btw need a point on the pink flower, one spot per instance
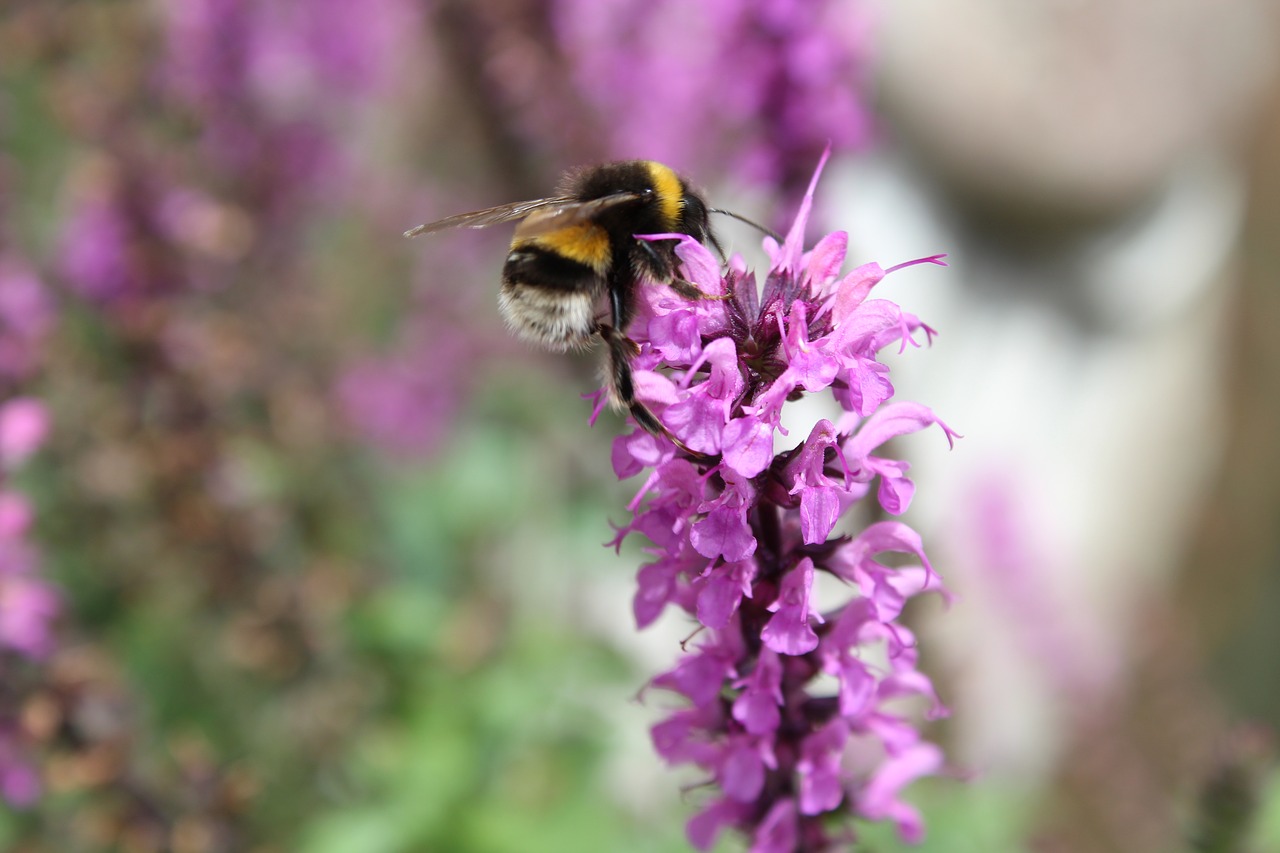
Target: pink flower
(24, 423)
(879, 797)
(790, 631)
(757, 706)
(820, 493)
(28, 607)
(821, 789)
(740, 533)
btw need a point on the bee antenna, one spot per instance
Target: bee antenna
(756, 225)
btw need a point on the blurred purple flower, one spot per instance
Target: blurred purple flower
(1018, 569)
(741, 534)
(18, 558)
(28, 604)
(26, 316)
(19, 781)
(274, 84)
(28, 607)
(405, 402)
(97, 247)
(116, 244)
(284, 52)
(772, 82)
(24, 423)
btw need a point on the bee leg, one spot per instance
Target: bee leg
(622, 349)
(622, 389)
(690, 291)
(661, 268)
(660, 265)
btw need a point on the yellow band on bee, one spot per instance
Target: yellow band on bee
(586, 243)
(666, 185)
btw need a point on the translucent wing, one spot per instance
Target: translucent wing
(491, 215)
(540, 216)
(554, 217)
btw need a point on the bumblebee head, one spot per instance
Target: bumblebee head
(694, 218)
(681, 207)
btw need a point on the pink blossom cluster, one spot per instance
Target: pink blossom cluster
(29, 604)
(794, 709)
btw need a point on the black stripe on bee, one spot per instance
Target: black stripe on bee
(533, 266)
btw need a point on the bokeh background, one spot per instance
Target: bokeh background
(299, 551)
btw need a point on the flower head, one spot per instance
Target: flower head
(741, 529)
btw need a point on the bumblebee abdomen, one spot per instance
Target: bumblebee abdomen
(585, 243)
(550, 298)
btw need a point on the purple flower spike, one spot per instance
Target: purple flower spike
(742, 527)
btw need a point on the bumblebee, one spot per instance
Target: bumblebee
(576, 248)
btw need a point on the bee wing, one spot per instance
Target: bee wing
(491, 215)
(550, 218)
